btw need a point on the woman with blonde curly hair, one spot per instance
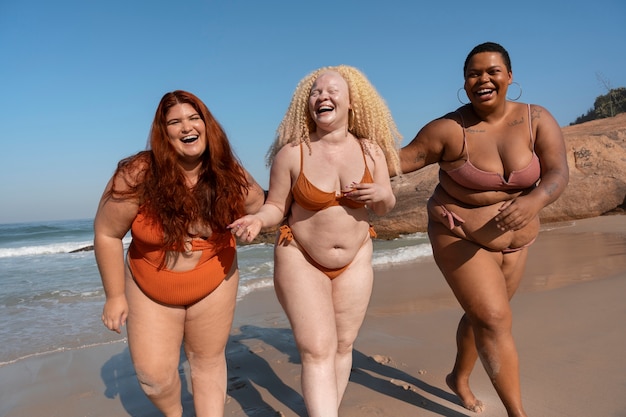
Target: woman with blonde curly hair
(328, 166)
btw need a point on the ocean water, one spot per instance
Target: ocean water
(51, 296)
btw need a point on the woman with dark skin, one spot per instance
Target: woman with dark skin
(501, 162)
(178, 282)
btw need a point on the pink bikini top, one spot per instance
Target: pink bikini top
(309, 197)
(468, 176)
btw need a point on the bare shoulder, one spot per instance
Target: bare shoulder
(443, 126)
(540, 115)
(432, 141)
(289, 156)
(548, 135)
(543, 123)
(373, 151)
(132, 170)
(290, 149)
(439, 133)
(370, 145)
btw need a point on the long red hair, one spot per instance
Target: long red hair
(155, 178)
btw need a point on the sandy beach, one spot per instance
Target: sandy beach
(569, 326)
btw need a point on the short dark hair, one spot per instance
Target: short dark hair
(489, 47)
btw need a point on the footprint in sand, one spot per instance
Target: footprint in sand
(382, 359)
(402, 384)
(371, 411)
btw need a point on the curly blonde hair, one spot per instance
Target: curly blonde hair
(370, 116)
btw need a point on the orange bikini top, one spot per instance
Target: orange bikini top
(146, 252)
(309, 197)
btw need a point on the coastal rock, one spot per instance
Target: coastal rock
(87, 248)
(596, 154)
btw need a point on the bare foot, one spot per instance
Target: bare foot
(466, 396)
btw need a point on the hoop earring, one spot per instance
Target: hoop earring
(459, 98)
(520, 92)
(351, 117)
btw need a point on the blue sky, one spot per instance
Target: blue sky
(81, 79)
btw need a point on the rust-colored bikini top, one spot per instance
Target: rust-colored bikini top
(146, 252)
(309, 197)
(468, 176)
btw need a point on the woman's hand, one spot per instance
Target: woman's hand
(367, 193)
(115, 313)
(246, 228)
(377, 197)
(515, 214)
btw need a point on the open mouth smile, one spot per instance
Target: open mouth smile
(324, 109)
(484, 92)
(189, 139)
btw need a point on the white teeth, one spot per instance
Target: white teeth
(190, 138)
(485, 91)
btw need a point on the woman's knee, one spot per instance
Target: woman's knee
(215, 362)
(155, 384)
(495, 319)
(345, 348)
(317, 352)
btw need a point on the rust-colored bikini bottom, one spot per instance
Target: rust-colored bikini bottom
(332, 273)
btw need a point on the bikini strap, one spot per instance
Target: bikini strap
(464, 136)
(363, 151)
(530, 130)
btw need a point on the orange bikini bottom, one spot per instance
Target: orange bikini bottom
(183, 288)
(286, 235)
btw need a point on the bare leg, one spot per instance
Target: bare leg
(483, 282)
(351, 294)
(458, 380)
(466, 356)
(499, 357)
(155, 334)
(306, 296)
(207, 326)
(325, 317)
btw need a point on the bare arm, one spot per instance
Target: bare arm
(255, 197)
(427, 147)
(112, 222)
(277, 203)
(550, 148)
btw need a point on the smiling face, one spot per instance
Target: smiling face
(186, 131)
(329, 102)
(487, 78)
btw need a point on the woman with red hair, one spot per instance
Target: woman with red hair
(178, 283)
